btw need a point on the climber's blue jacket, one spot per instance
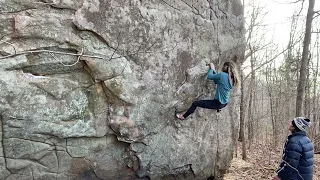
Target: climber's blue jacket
(224, 85)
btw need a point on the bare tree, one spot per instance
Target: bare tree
(255, 16)
(314, 96)
(251, 95)
(243, 109)
(304, 61)
(315, 76)
(270, 80)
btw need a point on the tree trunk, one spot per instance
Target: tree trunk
(271, 103)
(242, 120)
(250, 90)
(315, 83)
(304, 60)
(287, 66)
(250, 118)
(307, 94)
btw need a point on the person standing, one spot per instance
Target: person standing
(297, 156)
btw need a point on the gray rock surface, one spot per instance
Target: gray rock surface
(89, 88)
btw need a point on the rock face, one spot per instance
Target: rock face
(89, 89)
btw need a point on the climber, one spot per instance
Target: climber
(225, 81)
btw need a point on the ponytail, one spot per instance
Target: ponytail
(233, 73)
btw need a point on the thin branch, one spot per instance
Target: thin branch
(317, 14)
(297, 1)
(272, 59)
(68, 65)
(253, 50)
(49, 51)
(254, 23)
(267, 62)
(294, 2)
(288, 2)
(300, 8)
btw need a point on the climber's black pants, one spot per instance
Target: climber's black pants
(208, 104)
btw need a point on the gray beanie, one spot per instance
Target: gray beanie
(301, 123)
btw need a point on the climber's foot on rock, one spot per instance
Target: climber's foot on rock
(180, 116)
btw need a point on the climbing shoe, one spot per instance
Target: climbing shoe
(180, 116)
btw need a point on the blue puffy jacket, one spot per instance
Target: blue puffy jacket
(297, 159)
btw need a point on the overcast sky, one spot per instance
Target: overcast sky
(278, 21)
(278, 17)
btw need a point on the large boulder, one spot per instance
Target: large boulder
(89, 89)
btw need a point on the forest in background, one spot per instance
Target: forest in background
(279, 82)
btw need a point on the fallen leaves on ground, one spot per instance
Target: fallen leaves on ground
(263, 161)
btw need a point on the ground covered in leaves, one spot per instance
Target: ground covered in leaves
(263, 161)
